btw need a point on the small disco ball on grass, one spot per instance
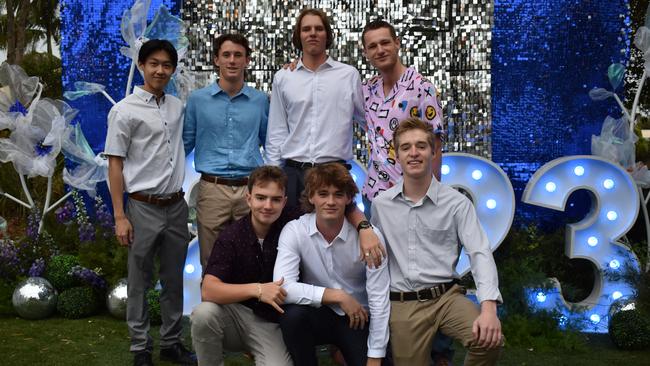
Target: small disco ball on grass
(116, 299)
(34, 298)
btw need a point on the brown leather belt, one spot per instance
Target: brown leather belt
(304, 165)
(237, 182)
(156, 199)
(430, 293)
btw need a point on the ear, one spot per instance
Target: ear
(398, 42)
(214, 60)
(249, 200)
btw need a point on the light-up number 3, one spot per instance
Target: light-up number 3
(595, 237)
(490, 191)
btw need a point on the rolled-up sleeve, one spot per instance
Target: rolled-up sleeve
(377, 287)
(287, 266)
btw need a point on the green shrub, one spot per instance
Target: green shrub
(630, 330)
(540, 331)
(58, 271)
(78, 302)
(153, 299)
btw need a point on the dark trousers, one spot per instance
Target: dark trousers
(304, 327)
(295, 184)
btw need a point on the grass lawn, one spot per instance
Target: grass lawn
(103, 340)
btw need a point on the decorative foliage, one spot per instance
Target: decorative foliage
(630, 330)
(153, 301)
(59, 271)
(78, 302)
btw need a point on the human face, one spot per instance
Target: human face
(157, 70)
(232, 61)
(381, 49)
(414, 154)
(266, 201)
(313, 36)
(329, 203)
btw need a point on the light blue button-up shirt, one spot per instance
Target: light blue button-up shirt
(226, 132)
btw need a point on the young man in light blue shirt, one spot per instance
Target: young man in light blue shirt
(225, 125)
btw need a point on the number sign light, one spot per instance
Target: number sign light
(490, 191)
(614, 208)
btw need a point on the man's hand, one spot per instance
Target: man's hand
(373, 361)
(292, 65)
(273, 294)
(487, 327)
(358, 314)
(372, 251)
(123, 230)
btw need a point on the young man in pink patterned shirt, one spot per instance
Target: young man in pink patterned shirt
(398, 92)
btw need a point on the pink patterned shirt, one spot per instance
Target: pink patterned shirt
(412, 96)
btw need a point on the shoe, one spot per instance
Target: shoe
(177, 354)
(142, 358)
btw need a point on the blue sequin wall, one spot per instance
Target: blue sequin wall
(546, 55)
(90, 51)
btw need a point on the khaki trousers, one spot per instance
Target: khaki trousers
(413, 325)
(216, 206)
(235, 327)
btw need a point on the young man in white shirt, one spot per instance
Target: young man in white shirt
(424, 222)
(318, 259)
(146, 160)
(313, 107)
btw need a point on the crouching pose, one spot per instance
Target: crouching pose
(318, 261)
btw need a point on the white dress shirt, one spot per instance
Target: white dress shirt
(149, 136)
(423, 239)
(303, 252)
(311, 113)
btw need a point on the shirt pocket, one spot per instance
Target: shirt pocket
(437, 249)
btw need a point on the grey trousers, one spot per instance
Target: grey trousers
(163, 231)
(235, 327)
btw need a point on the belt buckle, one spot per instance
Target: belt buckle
(417, 294)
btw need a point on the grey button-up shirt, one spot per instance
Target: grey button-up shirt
(423, 239)
(150, 139)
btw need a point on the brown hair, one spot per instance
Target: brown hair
(234, 38)
(295, 38)
(267, 174)
(324, 175)
(377, 24)
(413, 123)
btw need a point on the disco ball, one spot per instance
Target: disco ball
(34, 298)
(117, 298)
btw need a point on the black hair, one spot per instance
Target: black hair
(154, 45)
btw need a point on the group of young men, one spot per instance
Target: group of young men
(288, 260)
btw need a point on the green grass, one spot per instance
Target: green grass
(103, 340)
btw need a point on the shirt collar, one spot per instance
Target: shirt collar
(343, 234)
(378, 81)
(216, 89)
(146, 96)
(329, 62)
(432, 192)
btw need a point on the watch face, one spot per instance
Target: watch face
(363, 225)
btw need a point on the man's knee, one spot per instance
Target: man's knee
(205, 320)
(294, 317)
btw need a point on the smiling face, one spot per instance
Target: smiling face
(313, 35)
(414, 154)
(232, 61)
(266, 201)
(380, 48)
(329, 203)
(157, 69)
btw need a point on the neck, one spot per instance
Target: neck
(416, 187)
(260, 229)
(329, 228)
(157, 93)
(391, 76)
(231, 87)
(312, 62)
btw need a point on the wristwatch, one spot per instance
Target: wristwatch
(364, 225)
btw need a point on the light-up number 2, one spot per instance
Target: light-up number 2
(594, 238)
(490, 191)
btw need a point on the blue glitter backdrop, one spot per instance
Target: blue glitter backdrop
(546, 56)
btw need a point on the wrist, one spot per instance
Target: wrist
(259, 292)
(364, 224)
